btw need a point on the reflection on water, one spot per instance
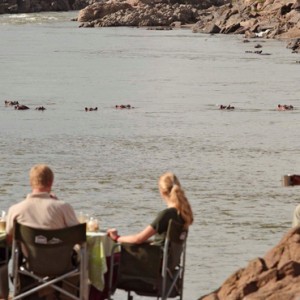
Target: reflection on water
(107, 162)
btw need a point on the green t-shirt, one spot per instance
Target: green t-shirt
(161, 223)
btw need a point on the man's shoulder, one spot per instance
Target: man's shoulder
(60, 203)
(18, 205)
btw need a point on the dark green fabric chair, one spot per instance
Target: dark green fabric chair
(151, 270)
(46, 258)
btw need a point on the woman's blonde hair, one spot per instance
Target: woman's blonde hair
(170, 186)
(41, 176)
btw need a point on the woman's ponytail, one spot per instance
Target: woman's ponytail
(170, 185)
(178, 198)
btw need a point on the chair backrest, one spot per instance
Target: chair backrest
(144, 258)
(175, 243)
(174, 261)
(49, 252)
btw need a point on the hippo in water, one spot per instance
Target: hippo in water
(122, 106)
(21, 107)
(285, 107)
(40, 108)
(91, 109)
(10, 103)
(226, 107)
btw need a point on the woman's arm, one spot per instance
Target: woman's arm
(138, 238)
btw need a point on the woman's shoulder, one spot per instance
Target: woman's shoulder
(169, 210)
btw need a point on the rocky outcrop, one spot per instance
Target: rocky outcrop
(268, 18)
(276, 276)
(29, 6)
(144, 12)
(124, 14)
(252, 18)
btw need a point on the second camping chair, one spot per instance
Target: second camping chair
(151, 270)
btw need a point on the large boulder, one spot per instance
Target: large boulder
(124, 14)
(100, 10)
(268, 19)
(275, 276)
(144, 12)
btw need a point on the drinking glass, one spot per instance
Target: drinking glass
(83, 217)
(93, 225)
(2, 221)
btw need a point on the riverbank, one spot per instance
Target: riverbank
(278, 19)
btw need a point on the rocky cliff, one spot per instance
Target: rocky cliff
(276, 276)
(29, 6)
(267, 18)
(252, 18)
(145, 12)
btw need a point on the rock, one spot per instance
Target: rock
(291, 33)
(276, 276)
(212, 28)
(145, 12)
(294, 45)
(230, 29)
(296, 5)
(268, 19)
(176, 24)
(100, 10)
(29, 6)
(249, 34)
(248, 23)
(285, 9)
(124, 14)
(23, 6)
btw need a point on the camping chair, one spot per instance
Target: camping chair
(149, 270)
(46, 258)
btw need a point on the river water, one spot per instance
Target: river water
(107, 162)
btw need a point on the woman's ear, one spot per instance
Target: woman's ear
(164, 195)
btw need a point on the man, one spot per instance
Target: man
(41, 209)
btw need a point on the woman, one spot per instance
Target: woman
(179, 210)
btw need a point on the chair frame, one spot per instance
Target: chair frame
(44, 280)
(174, 275)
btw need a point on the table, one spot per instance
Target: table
(99, 247)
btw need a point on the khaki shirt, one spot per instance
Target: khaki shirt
(40, 210)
